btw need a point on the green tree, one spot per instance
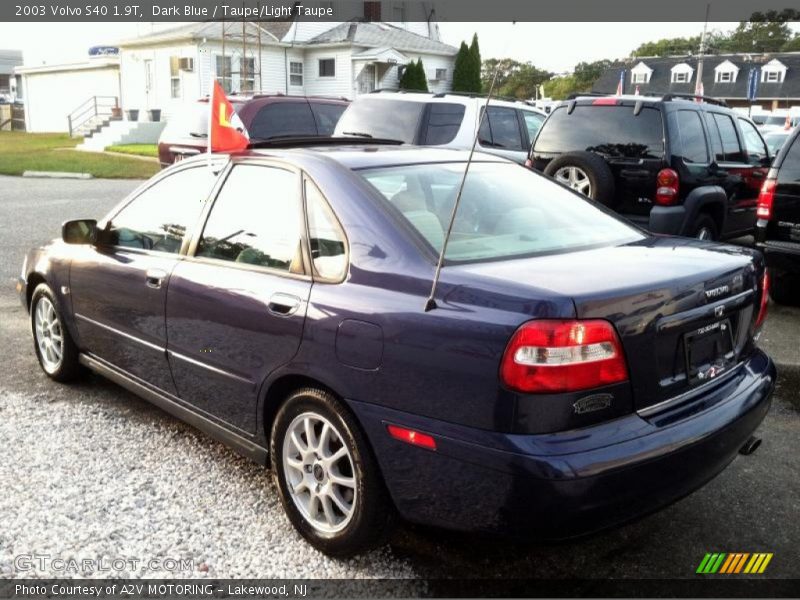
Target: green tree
(475, 83)
(513, 77)
(764, 32)
(414, 77)
(461, 69)
(792, 45)
(587, 73)
(669, 47)
(559, 88)
(420, 78)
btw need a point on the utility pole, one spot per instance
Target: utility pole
(698, 87)
(243, 61)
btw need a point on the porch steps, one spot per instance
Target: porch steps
(113, 133)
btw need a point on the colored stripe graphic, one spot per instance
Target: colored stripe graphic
(735, 562)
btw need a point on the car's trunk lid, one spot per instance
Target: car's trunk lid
(683, 309)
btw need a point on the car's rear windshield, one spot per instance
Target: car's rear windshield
(505, 211)
(390, 119)
(190, 121)
(609, 130)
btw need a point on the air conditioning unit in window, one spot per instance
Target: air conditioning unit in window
(186, 64)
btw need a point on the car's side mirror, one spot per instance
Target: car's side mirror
(79, 231)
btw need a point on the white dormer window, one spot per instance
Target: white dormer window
(681, 73)
(773, 72)
(641, 73)
(726, 72)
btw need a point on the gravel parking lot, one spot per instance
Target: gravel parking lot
(90, 471)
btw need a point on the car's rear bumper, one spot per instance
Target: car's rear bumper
(781, 255)
(561, 485)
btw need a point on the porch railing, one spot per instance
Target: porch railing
(87, 115)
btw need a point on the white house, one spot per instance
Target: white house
(166, 69)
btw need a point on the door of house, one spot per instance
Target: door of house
(366, 79)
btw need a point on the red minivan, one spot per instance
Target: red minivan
(266, 116)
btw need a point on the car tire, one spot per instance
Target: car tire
(52, 342)
(784, 288)
(345, 519)
(704, 228)
(575, 169)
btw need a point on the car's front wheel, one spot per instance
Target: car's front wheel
(328, 479)
(55, 349)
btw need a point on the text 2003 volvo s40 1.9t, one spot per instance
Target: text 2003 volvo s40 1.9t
(573, 374)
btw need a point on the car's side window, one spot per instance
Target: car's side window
(756, 149)
(159, 218)
(691, 137)
(256, 220)
(326, 115)
(713, 134)
(325, 236)
(283, 119)
(533, 123)
(732, 150)
(444, 121)
(500, 129)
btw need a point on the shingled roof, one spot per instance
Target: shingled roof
(372, 35)
(212, 30)
(661, 78)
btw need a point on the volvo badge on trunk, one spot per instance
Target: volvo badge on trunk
(592, 403)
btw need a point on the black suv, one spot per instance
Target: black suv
(670, 164)
(778, 226)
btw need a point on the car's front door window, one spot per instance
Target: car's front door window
(159, 218)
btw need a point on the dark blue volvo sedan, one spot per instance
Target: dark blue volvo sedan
(575, 372)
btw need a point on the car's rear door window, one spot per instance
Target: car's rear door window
(325, 236)
(444, 121)
(500, 129)
(326, 114)
(716, 141)
(282, 119)
(731, 148)
(613, 131)
(256, 220)
(690, 143)
(533, 123)
(505, 210)
(160, 217)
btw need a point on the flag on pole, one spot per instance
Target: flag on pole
(752, 84)
(698, 91)
(787, 124)
(621, 84)
(636, 92)
(225, 129)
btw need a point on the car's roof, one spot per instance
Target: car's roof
(363, 156)
(450, 98)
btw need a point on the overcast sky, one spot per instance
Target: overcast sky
(553, 46)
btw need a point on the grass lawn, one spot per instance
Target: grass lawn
(20, 151)
(137, 149)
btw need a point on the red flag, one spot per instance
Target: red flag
(698, 91)
(636, 92)
(226, 130)
(787, 124)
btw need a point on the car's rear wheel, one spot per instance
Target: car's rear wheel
(784, 288)
(586, 173)
(328, 479)
(55, 349)
(705, 228)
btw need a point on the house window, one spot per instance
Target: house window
(296, 73)
(441, 74)
(247, 74)
(640, 78)
(327, 67)
(174, 77)
(224, 72)
(680, 77)
(772, 76)
(724, 76)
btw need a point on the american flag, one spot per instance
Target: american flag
(621, 84)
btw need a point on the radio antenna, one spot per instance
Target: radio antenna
(431, 302)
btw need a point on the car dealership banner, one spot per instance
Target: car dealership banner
(441, 10)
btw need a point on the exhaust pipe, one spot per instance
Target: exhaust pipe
(750, 446)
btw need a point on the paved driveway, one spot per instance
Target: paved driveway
(91, 470)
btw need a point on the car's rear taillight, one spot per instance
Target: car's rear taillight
(765, 199)
(762, 308)
(667, 184)
(550, 356)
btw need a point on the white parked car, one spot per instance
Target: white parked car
(447, 120)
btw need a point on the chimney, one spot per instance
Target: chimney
(372, 11)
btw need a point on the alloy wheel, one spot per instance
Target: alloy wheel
(49, 335)
(320, 472)
(576, 178)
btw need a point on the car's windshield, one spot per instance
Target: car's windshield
(373, 117)
(505, 210)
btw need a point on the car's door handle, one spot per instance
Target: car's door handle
(154, 278)
(284, 305)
